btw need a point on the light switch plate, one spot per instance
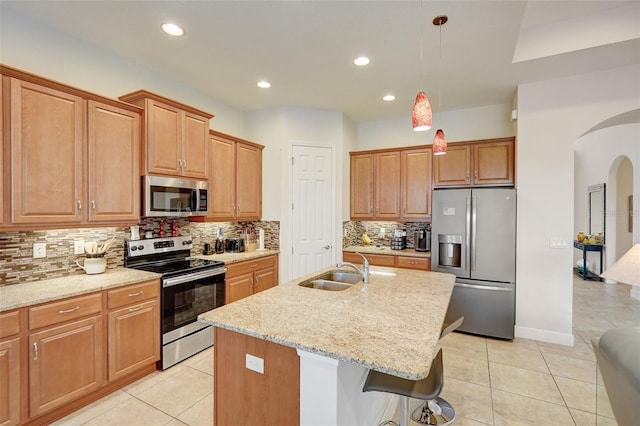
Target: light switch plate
(558, 243)
(39, 250)
(78, 247)
(254, 363)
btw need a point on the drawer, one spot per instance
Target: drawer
(239, 268)
(9, 324)
(421, 263)
(374, 259)
(65, 310)
(133, 294)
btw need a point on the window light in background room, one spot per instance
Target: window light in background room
(440, 141)
(421, 116)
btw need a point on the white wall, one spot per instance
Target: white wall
(597, 155)
(40, 50)
(492, 121)
(278, 129)
(552, 115)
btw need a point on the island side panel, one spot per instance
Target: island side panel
(243, 396)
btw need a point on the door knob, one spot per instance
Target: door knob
(327, 247)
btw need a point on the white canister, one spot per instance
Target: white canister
(135, 233)
(95, 265)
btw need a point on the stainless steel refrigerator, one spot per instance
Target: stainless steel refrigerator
(473, 235)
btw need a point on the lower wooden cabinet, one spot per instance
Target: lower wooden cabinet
(10, 389)
(249, 277)
(65, 363)
(406, 262)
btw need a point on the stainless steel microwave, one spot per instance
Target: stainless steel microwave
(169, 196)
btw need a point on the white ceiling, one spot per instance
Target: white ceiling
(306, 48)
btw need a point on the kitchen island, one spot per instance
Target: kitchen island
(293, 352)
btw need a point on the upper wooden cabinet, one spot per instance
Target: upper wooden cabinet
(235, 185)
(71, 157)
(176, 136)
(375, 185)
(481, 163)
(416, 184)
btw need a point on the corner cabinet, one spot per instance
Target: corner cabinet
(375, 185)
(479, 163)
(249, 277)
(72, 157)
(176, 136)
(235, 186)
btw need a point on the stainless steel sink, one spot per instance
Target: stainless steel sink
(336, 280)
(325, 285)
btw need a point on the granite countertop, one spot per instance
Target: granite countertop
(391, 324)
(386, 250)
(236, 257)
(21, 295)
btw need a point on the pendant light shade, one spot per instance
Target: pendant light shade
(421, 117)
(439, 143)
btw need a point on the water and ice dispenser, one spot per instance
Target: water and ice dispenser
(449, 250)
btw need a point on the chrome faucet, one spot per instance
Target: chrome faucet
(364, 271)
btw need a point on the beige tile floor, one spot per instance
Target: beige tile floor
(488, 381)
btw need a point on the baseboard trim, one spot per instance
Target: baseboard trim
(544, 335)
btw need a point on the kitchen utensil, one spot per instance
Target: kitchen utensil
(88, 247)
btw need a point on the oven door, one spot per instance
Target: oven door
(184, 297)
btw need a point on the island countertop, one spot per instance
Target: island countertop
(392, 324)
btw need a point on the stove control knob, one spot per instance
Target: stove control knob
(134, 248)
(187, 242)
(140, 247)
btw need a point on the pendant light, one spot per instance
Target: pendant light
(421, 116)
(439, 141)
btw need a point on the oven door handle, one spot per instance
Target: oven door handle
(192, 277)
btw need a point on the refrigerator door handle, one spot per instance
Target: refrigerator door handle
(474, 217)
(483, 287)
(467, 235)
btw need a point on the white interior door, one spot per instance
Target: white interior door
(313, 209)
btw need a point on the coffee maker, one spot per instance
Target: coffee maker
(422, 239)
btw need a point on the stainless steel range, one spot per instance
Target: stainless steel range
(189, 288)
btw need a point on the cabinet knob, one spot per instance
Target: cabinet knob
(79, 206)
(468, 177)
(93, 205)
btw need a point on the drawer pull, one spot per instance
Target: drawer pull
(254, 265)
(35, 351)
(413, 262)
(136, 294)
(136, 308)
(69, 310)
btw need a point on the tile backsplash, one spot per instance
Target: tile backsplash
(16, 247)
(353, 231)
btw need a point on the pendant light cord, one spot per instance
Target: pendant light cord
(421, 46)
(440, 74)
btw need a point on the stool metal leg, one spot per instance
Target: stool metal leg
(436, 412)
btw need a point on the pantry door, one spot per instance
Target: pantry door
(312, 209)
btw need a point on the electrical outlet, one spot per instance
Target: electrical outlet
(254, 363)
(78, 247)
(39, 250)
(382, 232)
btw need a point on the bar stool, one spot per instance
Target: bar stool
(435, 410)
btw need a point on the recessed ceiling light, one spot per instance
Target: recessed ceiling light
(388, 98)
(361, 61)
(172, 29)
(264, 84)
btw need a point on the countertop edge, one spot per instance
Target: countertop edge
(386, 251)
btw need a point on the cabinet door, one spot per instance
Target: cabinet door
(222, 178)
(454, 168)
(3, 178)
(195, 146)
(65, 362)
(387, 184)
(164, 138)
(249, 182)
(134, 338)
(239, 287)
(362, 186)
(265, 279)
(493, 163)
(10, 382)
(416, 184)
(46, 155)
(114, 163)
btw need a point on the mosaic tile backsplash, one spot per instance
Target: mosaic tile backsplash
(353, 232)
(16, 247)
